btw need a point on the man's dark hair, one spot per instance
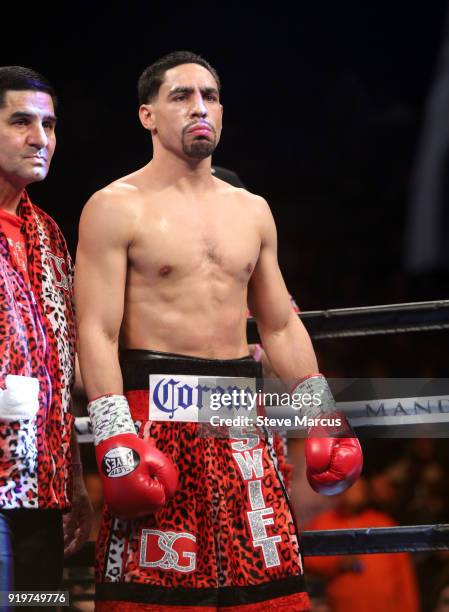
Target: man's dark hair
(152, 77)
(18, 78)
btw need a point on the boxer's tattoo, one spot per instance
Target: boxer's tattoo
(110, 416)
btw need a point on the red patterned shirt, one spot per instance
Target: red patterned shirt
(11, 225)
(37, 348)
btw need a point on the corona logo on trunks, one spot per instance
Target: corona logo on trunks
(168, 550)
(119, 461)
(188, 398)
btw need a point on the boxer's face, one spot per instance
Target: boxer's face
(186, 115)
(27, 137)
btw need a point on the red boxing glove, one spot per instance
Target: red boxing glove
(333, 463)
(334, 457)
(138, 479)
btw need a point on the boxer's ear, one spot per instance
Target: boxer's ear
(147, 117)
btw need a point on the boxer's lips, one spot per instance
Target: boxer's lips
(200, 130)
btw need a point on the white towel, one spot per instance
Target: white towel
(20, 398)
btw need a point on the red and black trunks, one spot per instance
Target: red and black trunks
(228, 539)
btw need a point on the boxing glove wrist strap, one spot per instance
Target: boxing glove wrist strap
(322, 401)
(110, 416)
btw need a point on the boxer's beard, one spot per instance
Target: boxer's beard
(200, 147)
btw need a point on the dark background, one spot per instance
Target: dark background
(323, 106)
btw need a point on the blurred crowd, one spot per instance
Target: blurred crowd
(404, 485)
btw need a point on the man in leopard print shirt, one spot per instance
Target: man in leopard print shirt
(37, 352)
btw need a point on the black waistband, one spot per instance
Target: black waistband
(137, 364)
(200, 597)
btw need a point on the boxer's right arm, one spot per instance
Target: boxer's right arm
(100, 276)
(137, 478)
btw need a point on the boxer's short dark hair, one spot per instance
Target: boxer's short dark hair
(153, 76)
(18, 78)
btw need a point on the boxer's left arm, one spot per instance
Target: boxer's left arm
(333, 463)
(284, 337)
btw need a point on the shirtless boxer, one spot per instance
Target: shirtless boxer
(168, 259)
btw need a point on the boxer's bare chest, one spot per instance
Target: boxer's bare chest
(215, 238)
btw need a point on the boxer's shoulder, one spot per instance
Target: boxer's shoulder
(257, 207)
(120, 193)
(117, 201)
(112, 213)
(240, 195)
(254, 202)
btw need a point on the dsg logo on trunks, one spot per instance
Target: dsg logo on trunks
(194, 399)
(119, 461)
(168, 550)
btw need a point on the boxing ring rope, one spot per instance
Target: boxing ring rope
(344, 323)
(370, 320)
(414, 538)
(367, 541)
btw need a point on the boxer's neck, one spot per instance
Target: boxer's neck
(187, 174)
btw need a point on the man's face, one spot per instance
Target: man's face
(27, 137)
(187, 112)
